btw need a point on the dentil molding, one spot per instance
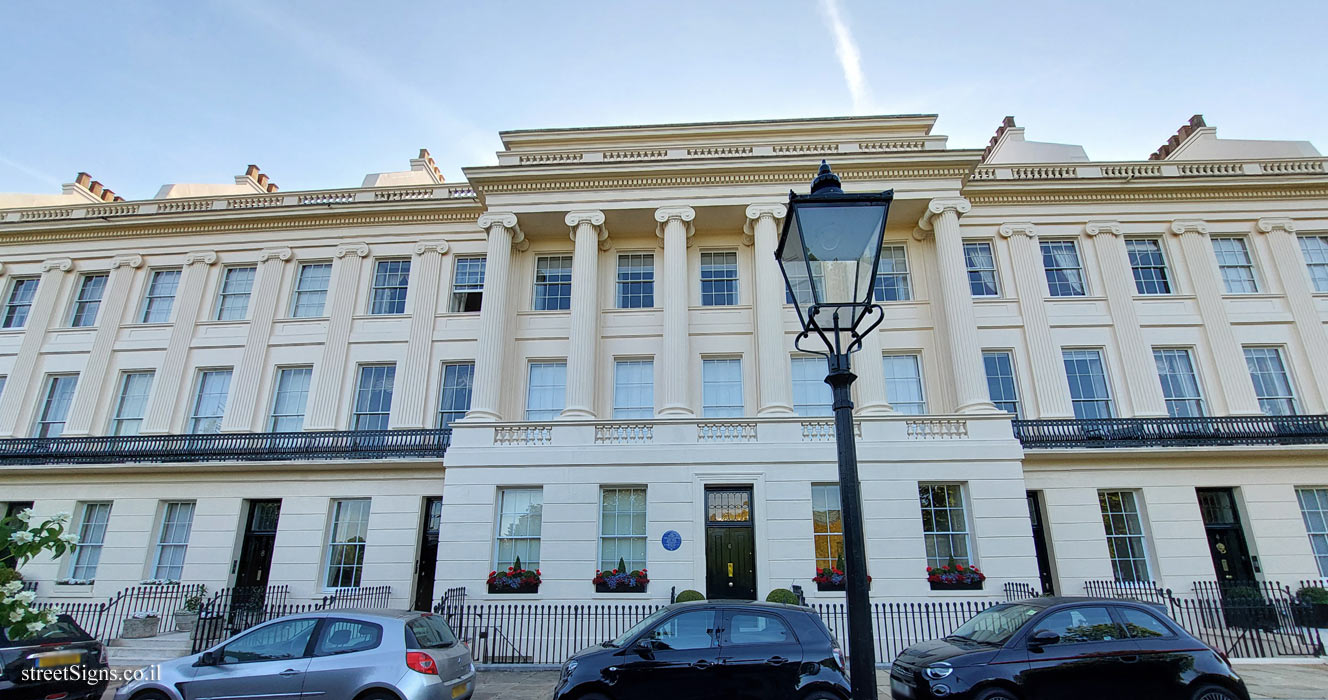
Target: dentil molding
(593, 217)
(132, 260)
(1182, 226)
(438, 246)
(940, 205)
(283, 254)
(489, 221)
(1019, 228)
(1113, 228)
(207, 257)
(1268, 225)
(359, 248)
(62, 264)
(664, 215)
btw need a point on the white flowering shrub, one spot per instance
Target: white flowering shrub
(20, 541)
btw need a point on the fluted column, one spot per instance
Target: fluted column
(325, 386)
(413, 385)
(1230, 358)
(1146, 397)
(1290, 262)
(772, 369)
(674, 227)
(495, 314)
(253, 361)
(1050, 386)
(40, 317)
(170, 378)
(589, 235)
(92, 381)
(970, 381)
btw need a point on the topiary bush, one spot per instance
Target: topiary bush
(688, 596)
(782, 595)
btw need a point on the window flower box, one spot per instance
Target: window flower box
(515, 580)
(966, 586)
(955, 577)
(620, 580)
(833, 578)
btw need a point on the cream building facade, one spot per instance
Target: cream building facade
(1088, 371)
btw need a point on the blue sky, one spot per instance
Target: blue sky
(319, 93)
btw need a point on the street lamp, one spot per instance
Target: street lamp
(829, 251)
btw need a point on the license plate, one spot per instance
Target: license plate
(68, 658)
(899, 691)
(460, 689)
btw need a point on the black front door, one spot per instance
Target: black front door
(427, 563)
(730, 544)
(260, 536)
(1226, 537)
(11, 509)
(1040, 542)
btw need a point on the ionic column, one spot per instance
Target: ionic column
(1290, 262)
(590, 236)
(1227, 353)
(491, 346)
(170, 379)
(1050, 385)
(413, 374)
(772, 368)
(253, 361)
(674, 227)
(40, 317)
(325, 385)
(1145, 388)
(970, 380)
(92, 381)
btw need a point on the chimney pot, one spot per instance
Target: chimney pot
(95, 188)
(271, 187)
(262, 180)
(252, 170)
(83, 180)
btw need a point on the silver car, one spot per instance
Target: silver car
(330, 655)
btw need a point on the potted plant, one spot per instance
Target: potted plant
(1310, 609)
(141, 625)
(187, 619)
(955, 577)
(833, 578)
(515, 580)
(1244, 607)
(620, 580)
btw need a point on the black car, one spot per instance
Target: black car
(56, 663)
(708, 650)
(1080, 648)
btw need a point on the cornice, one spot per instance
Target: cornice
(1018, 228)
(1118, 196)
(1113, 228)
(1270, 224)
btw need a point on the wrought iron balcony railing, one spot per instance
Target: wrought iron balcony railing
(228, 447)
(1172, 432)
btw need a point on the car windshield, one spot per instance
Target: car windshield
(996, 624)
(62, 630)
(636, 629)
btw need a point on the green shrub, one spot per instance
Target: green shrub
(782, 595)
(688, 596)
(7, 574)
(1313, 595)
(1242, 595)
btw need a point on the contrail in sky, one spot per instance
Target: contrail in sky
(849, 59)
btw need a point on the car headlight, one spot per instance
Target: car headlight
(938, 670)
(569, 667)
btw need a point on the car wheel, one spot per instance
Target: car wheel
(1213, 692)
(996, 694)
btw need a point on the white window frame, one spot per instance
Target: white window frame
(179, 541)
(462, 290)
(91, 538)
(120, 420)
(1249, 265)
(821, 496)
(11, 306)
(916, 408)
(240, 295)
(905, 276)
(641, 393)
(499, 563)
(153, 301)
(951, 535)
(540, 303)
(278, 388)
(443, 409)
(1291, 401)
(1142, 536)
(81, 303)
(627, 288)
(1079, 267)
(1164, 267)
(722, 410)
(356, 413)
(736, 279)
(335, 546)
(298, 294)
(42, 426)
(1109, 399)
(1172, 402)
(970, 270)
(817, 409)
(194, 416)
(1316, 261)
(609, 562)
(1014, 380)
(539, 414)
(1313, 502)
(379, 307)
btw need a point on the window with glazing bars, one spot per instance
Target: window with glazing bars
(802, 285)
(636, 281)
(811, 395)
(468, 285)
(1314, 509)
(233, 299)
(1065, 274)
(892, 277)
(1235, 265)
(1272, 384)
(55, 407)
(373, 397)
(176, 521)
(827, 525)
(903, 384)
(91, 536)
(721, 387)
(88, 302)
(1180, 383)
(19, 304)
(719, 279)
(1001, 384)
(1125, 535)
(132, 403)
(553, 283)
(981, 264)
(210, 402)
(160, 296)
(1149, 266)
(311, 290)
(454, 394)
(1315, 250)
(634, 389)
(1089, 392)
(944, 524)
(391, 279)
(622, 528)
(520, 519)
(290, 399)
(346, 542)
(546, 392)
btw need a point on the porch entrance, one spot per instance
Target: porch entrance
(426, 564)
(260, 537)
(730, 544)
(1040, 542)
(1226, 537)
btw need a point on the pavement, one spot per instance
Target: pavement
(1266, 681)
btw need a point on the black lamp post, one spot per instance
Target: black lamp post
(829, 251)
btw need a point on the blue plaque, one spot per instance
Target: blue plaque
(671, 540)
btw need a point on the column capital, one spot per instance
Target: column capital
(283, 254)
(358, 248)
(593, 217)
(1113, 228)
(1018, 228)
(683, 214)
(438, 246)
(62, 264)
(1183, 226)
(506, 219)
(755, 212)
(1270, 224)
(958, 205)
(207, 257)
(131, 260)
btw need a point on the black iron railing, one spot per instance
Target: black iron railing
(104, 619)
(1172, 432)
(234, 610)
(228, 447)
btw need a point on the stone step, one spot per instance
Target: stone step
(174, 639)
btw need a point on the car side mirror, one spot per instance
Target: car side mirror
(645, 647)
(208, 658)
(1042, 638)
